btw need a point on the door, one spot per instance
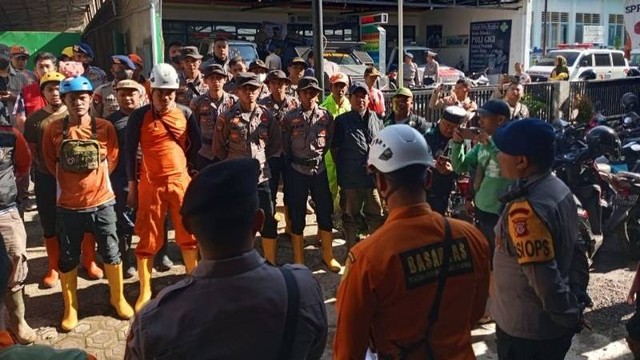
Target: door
(603, 66)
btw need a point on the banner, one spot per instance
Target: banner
(489, 46)
(632, 21)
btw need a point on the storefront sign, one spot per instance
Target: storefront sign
(632, 21)
(489, 46)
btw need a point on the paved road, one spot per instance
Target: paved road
(103, 335)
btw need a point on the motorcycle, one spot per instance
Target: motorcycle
(480, 79)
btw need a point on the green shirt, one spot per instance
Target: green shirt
(482, 162)
(335, 109)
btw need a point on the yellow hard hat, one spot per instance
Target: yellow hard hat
(68, 51)
(51, 76)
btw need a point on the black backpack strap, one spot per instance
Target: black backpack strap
(293, 308)
(434, 313)
(442, 279)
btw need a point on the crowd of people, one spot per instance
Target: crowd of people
(204, 146)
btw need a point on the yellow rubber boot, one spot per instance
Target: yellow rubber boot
(144, 274)
(326, 240)
(116, 288)
(69, 284)
(53, 252)
(287, 222)
(269, 247)
(298, 243)
(190, 258)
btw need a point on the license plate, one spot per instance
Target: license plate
(625, 200)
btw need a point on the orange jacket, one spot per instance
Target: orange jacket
(391, 280)
(82, 191)
(169, 144)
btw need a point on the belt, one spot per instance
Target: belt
(306, 162)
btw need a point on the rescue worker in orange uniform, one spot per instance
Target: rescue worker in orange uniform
(393, 298)
(81, 151)
(168, 136)
(249, 130)
(45, 182)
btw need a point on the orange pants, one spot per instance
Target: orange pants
(154, 200)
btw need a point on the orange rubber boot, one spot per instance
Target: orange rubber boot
(88, 257)
(53, 252)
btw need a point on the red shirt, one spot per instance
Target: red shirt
(33, 99)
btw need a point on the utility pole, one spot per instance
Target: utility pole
(400, 54)
(318, 35)
(544, 27)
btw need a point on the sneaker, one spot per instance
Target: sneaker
(29, 205)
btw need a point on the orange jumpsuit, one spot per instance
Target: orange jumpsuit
(390, 284)
(169, 147)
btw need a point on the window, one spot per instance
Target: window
(618, 59)
(602, 60)
(616, 31)
(557, 27)
(336, 32)
(583, 19)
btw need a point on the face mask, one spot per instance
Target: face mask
(262, 77)
(4, 64)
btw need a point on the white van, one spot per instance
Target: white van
(607, 64)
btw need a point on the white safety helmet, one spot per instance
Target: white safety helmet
(398, 146)
(164, 76)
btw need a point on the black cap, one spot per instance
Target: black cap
(211, 68)
(358, 86)
(247, 78)
(299, 60)
(277, 75)
(190, 51)
(454, 114)
(258, 64)
(221, 184)
(309, 82)
(495, 107)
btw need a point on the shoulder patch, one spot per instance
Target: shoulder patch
(422, 265)
(531, 238)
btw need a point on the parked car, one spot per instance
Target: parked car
(245, 49)
(348, 57)
(446, 74)
(607, 64)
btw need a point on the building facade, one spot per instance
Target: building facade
(567, 20)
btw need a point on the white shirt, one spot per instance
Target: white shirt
(273, 62)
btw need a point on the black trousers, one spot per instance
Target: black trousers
(514, 348)
(485, 222)
(298, 188)
(278, 171)
(45, 190)
(72, 225)
(270, 228)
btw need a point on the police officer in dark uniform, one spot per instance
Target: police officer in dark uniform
(402, 112)
(234, 305)
(541, 272)
(208, 106)
(438, 138)
(279, 103)
(308, 131)
(249, 130)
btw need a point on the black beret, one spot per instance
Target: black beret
(220, 185)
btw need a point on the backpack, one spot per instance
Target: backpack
(79, 155)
